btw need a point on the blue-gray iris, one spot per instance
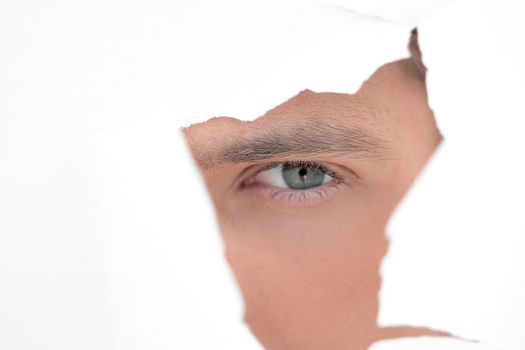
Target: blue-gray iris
(302, 177)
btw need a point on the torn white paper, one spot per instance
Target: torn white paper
(108, 241)
(456, 259)
(98, 64)
(169, 284)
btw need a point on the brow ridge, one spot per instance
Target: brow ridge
(310, 139)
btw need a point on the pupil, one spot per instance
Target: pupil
(303, 172)
(302, 177)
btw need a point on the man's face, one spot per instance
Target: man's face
(303, 195)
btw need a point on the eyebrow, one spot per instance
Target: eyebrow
(312, 138)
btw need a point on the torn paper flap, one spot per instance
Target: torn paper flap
(109, 241)
(456, 259)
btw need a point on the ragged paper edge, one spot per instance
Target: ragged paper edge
(454, 262)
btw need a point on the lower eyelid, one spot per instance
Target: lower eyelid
(301, 197)
(295, 197)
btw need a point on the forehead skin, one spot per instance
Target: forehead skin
(310, 274)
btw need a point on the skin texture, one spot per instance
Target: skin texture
(308, 265)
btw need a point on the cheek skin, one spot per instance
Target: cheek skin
(308, 283)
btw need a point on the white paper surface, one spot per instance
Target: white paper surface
(107, 236)
(170, 286)
(108, 241)
(456, 259)
(97, 63)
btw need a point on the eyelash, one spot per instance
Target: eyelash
(300, 197)
(302, 163)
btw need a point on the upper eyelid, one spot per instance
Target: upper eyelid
(307, 163)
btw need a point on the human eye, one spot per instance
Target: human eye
(301, 182)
